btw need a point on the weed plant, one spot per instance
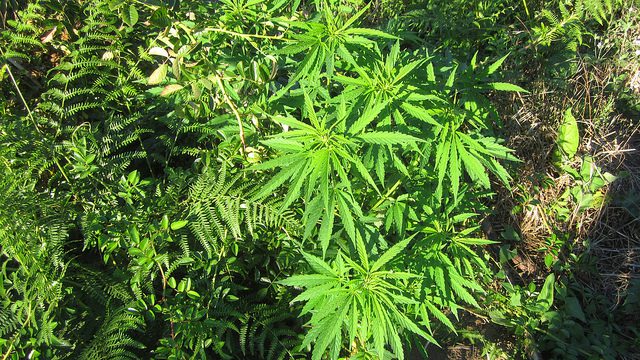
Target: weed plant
(276, 179)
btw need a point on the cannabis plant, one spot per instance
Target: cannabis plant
(239, 179)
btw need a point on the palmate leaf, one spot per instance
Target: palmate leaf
(317, 154)
(364, 301)
(457, 150)
(370, 113)
(345, 205)
(370, 33)
(443, 156)
(420, 114)
(455, 170)
(428, 307)
(473, 166)
(322, 41)
(319, 265)
(308, 281)
(496, 65)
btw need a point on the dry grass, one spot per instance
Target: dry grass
(606, 136)
(610, 232)
(615, 233)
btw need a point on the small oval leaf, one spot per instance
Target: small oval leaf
(176, 225)
(130, 15)
(158, 75)
(170, 89)
(158, 51)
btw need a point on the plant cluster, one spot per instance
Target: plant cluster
(273, 179)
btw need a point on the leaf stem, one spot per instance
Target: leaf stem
(15, 84)
(234, 110)
(389, 192)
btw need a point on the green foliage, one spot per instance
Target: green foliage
(167, 211)
(221, 207)
(263, 179)
(360, 297)
(568, 137)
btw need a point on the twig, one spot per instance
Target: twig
(246, 36)
(234, 110)
(28, 76)
(15, 84)
(386, 196)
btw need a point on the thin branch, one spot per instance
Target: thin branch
(234, 110)
(15, 84)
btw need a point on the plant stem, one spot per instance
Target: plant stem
(15, 84)
(234, 110)
(389, 192)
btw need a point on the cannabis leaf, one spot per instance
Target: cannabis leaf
(363, 301)
(317, 157)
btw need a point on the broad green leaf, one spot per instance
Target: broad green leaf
(170, 89)
(158, 75)
(568, 135)
(177, 225)
(573, 307)
(134, 234)
(158, 51)
(130, 15)
(545, 297)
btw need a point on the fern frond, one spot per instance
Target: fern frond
(114, 339)
(219, 207)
